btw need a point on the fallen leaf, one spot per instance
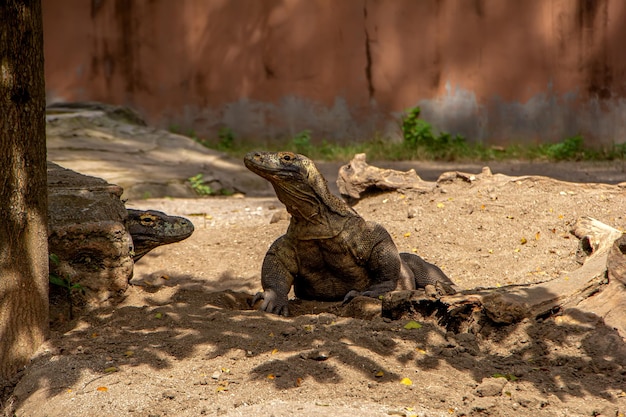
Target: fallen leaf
(406, 381)
(420, 350)
(508, 377)
(299, 382)
(537, 235)
(158, 315)
(412, 325)
(440, 205)
(275, 351)
(407, 234)
(523, 241)
(165, 277)
(379, 374)
(129, 353)
(271, 376)
(110, 369)
(102, 389)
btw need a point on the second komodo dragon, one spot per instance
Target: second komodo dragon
(329, 252)
(150, 229)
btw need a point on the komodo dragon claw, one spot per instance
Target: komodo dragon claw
(271, 303)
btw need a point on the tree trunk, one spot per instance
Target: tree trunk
(23, 198)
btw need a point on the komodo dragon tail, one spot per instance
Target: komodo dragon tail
(426, 273)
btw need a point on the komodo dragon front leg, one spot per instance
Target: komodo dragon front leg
(277, 276)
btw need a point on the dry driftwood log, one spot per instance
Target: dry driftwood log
(357, 178)
(588, 288)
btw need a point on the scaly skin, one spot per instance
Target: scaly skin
(329, 252)
(151, 228)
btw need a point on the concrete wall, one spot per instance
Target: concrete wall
(493, 70)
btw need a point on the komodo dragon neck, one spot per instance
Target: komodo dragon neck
(316, 212)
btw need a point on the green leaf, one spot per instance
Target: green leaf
(412, 325)
(54, 258)
(57, 280)
(508, 377)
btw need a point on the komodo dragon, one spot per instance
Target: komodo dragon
(329, 252)
(151, 228)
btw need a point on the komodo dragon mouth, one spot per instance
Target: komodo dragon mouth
(277, 166)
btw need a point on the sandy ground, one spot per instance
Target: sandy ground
(184, 342)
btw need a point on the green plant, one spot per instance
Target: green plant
(64, 282)
(416, 132)
(302, 142)
(199, 185)
(418, 135)
(174, 128)
(570, 148)
(617, 151)
(227, 139)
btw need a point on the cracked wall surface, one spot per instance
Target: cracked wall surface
(494, 71)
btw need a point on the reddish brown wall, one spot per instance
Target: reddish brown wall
(493, 70)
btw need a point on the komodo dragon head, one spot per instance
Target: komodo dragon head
(298, 184)
(151, 228)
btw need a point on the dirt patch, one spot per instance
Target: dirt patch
(185, 342)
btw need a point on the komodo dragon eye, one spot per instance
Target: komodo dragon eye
(147, 220)
(287, 158)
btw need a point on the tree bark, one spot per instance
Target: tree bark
(23, 194)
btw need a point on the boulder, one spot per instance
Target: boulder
(88, 242)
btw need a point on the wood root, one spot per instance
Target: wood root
(597, 287)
